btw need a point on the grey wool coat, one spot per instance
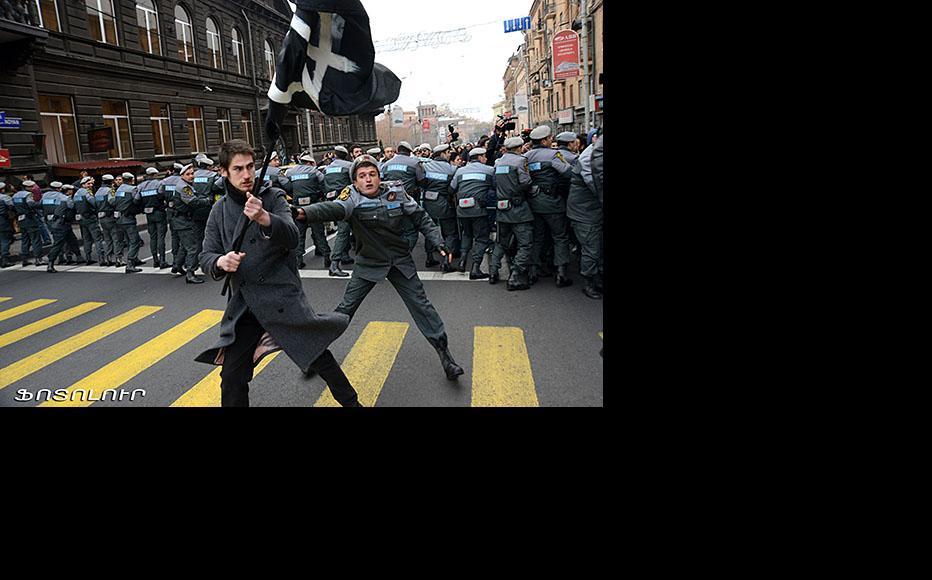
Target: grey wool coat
(267, 283)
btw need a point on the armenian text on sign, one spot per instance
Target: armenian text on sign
(516, 24)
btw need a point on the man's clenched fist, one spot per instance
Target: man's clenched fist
(255, 212)
(230, 263)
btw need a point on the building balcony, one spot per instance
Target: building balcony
(18, 21)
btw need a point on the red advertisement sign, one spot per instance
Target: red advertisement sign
(565, 55)
(426, 125)
(5, 159)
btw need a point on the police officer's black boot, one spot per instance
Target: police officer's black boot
(130, 269)
(192, 278)
(493, 277)
(477, 273)
(597, 279)
(327, 262)
(563, 278)
(51, 269)
(518, 281)
(461, 265)
(4, 263)
(348, 261)
(450, 367)
(26, 263)
(533, 275)
(446, 267)
(179, 271)
(336, 271)
(431, 262)
(590, 290)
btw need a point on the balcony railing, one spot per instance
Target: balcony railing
(21, 11)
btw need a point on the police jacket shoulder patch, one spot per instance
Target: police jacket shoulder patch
(345, 194)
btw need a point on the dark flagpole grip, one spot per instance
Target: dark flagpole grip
(238, 242)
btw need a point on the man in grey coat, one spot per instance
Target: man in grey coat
(267, 309)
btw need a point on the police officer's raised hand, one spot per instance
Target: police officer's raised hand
(230, 263)
(255, 212)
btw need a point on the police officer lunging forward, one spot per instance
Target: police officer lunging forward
(376, 213)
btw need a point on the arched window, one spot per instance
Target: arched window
(239, 51)
(214, 46)
(269, 59)
(185, 35)
(147, 18)
(100, 22)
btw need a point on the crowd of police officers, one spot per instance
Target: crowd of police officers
(540, 200)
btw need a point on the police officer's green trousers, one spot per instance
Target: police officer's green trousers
(551, 225)
(524, 233)
(113, 240)
(131, 233)
(31, 239)
(448, 231)
(178, 252)
(318, 236)
(59, 240)
(342, 242)
(92, 236)
(590, 242)
(412, 293)
(157, 225)
(72, 247)
(6, 240)
(187, 256)
(475, 235)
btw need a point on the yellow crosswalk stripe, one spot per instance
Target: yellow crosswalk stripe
(4, 299)
(600, 336)
(369, 362)
(46, 323)
(207, 392)
(7, 314)
(43, 358)
(501, 369)
(126, 367)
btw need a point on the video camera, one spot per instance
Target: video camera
(453, 132)
(509, 123)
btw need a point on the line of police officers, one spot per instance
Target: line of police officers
(107, 217)
(539, 198)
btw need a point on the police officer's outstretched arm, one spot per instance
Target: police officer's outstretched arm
(330, 211)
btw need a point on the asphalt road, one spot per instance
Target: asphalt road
(534, 348)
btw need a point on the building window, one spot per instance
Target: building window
(60, 128)
(100, 22)
(247, 128)
(239, 52)
(185, 35)
(116, 116)
(196, 130)
(223, 119)
(318, 128)
(147, 18)
(269, 59)
(48, 14)
(214, 46)
(161, 129)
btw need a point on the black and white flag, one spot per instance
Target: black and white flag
(327, 63)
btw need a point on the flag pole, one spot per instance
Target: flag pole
(238, 242)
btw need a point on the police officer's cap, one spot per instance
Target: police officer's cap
(360, 161)
(178, 166)
(67, 187)
(307, 158)
(566, 137)
(2, 185)
(55, 184)
(477, 152)
(424, 146)
(374, 151)
(128, 176)
(513, 142)
(107, 177)
(86, 179)
(187, 167)
(541, 132)
(441, 148)
(29, 183)
(405, 145)
(341, 149)
(152, 171)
